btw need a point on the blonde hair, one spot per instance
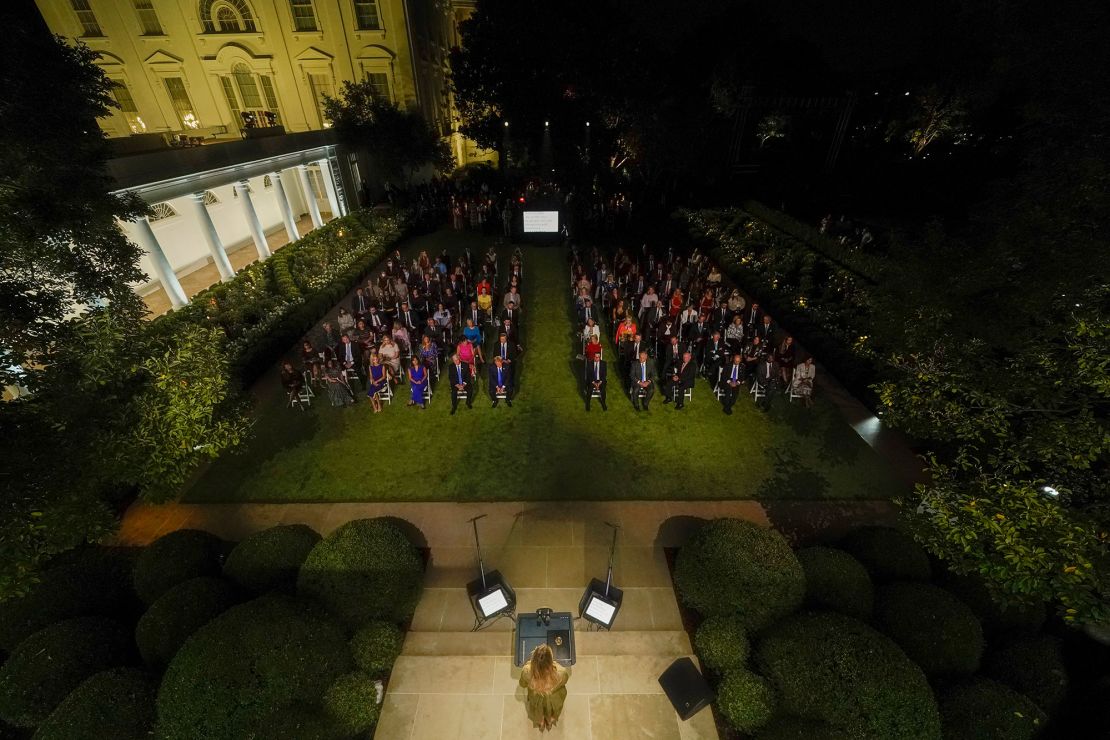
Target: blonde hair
(545, 674)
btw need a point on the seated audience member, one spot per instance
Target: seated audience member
(291, 380)
(507, 350)
(443, 317)
(713, 356)
(485, 304)
(429, 354)
(402, 337)
(432, 330)
(677, 300)
(732, 380)
(459, 375)
(377, 322)
(329, 337)
(643, 381)
(500, 382)
(512, 330)
(650, 300)
(736, 302)
(719, 317)
(511, 313)
(766, 330)
(713, 279)
(470, 354)
(473, 314)
(310, 359)
(805, 376)
(785, 356)
(672, 353)
(618, 310)
(734, 335)
(630, 351)
(767, 376)
(418, 382)
(592, 348)
(344, 321)
(591, 330)
(349, 356)
(409, 319)
(377, 378)
(339, 391)
(753, 317)
(472, 332)
(680, 379)
(587, 313)
(391, 358)
(753, 354)
(512, 296)
(626, 330)
(360, 303)
(596, 379)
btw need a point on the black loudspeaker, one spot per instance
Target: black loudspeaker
(686, 688)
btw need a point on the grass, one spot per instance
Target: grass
(546, 447)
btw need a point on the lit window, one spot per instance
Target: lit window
(148, 18)
(175, 86)
(379, 83)
(127, 107)
(366, 15)
(226, 16)
(252, 99)
(304, 18)
(321, 88)
(87, 18)
(160, 212)
(248, 88)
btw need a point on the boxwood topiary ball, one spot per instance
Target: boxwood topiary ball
(271, 558)
(746, 700)
(889, 554)
(177, 614)
(836, 580)
(982, 708)
(175, 558)
(375, 648)
(721, 644)
(352, 703)
(116, 704)
(1033, 666)
(937, 630)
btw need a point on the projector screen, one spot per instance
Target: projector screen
(600, 610)
(541, 222)
(492, 603)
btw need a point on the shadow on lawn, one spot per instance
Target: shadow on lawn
(791, 479)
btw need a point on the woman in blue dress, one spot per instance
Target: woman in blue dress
(418, 379)
(376, 380)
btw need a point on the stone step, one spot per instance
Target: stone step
(635, 642)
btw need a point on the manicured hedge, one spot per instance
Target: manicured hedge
(297, 722)
(177, 614)
(247, 664)
(836, 580)
(375, 648)
(1034, 667)
(836, 669)
(981, 709)
(746, 700)
(92, 582)
(271, 558)
(888, 554)
(176, 558)
(797, 728)
(721, 644)
(352, 703)
(49, 664)
(365, 570)
(997, 619)
(736, 567)
(937, 630)
(116, 704)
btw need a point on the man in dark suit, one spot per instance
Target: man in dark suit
(458, 374)
(713, 357)
(753, 317)
(360, 304)
(643, 380)
(630, 351)
(586, 313)
(766, 376)
(596, 380)
(511, 313)
(680, 379)
(672, 352)
(500, 382)
(732, 380)
(377, 322)
(474, 313)
(766, 331)
(348, 355)
(410, 319)
(506, 349)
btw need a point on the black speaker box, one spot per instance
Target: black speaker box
(686, 688)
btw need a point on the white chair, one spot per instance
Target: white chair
(386, 393)
(688, 394)
(757, 392)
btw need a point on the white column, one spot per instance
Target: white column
(285, 208)
(215, 245)
(243, 190)
(310, 197)
(145, 238)
(329, 188)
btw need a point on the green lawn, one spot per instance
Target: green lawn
(546, 447)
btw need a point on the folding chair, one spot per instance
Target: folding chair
(757, 391)
(791, 393)
(688, 394)
(298, 400)
(386, 393)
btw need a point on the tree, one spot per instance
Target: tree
(59, 238)
(400, 141)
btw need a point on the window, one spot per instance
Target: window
(161, 211)
(252, 99)
(248, 88)
(304, 18)
(148, 18)
(232, 101)
(227, 16)
(366, 15)
(175, 86)
(90, 27)
(321, 87)
(379, 82)
(128, 108)
(210, 198)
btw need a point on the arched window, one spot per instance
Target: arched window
(227, 16)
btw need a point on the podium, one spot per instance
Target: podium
(557, 632)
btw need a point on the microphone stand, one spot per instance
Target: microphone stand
(612, 552)
(478, 546)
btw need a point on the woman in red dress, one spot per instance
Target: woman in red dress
(676, 302)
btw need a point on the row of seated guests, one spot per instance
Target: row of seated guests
(661, 334)
(381, 346)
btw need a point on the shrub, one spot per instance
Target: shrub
(94, 582)
(937, 630)
(249, 662)
(1033, 667)
(362, 571)
(745, 700)
(797, 728)
(352, 703)
(298, 722)
(721, 643)
(175, 558)
(996, 618)
(836, 669)
(736, 567)
(54, 661)
(179, 613)
(981, 709)
(836, 580)
(375, 648)
(271, 558)
(888, 554)
(116, 704)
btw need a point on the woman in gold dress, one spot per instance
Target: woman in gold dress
(546, 682)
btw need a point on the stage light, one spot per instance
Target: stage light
(1050, 491)
(907, 93)
(490, 594)
(546, 124)
(506, 124)
(587, 124)
(602, 600)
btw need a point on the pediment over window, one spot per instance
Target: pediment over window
(161, 57)
(312, 54)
